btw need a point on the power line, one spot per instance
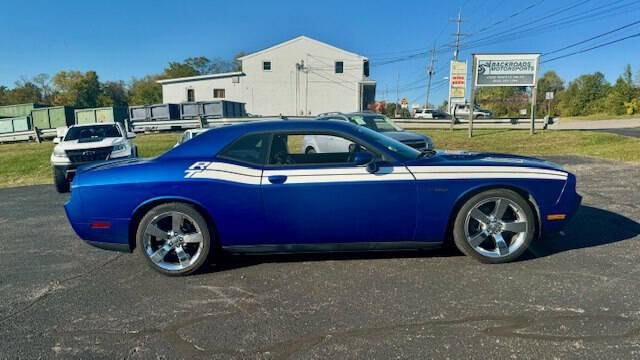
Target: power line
(591, 38)
(591, 48)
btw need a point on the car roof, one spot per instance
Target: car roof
(214, 140)
(93, 124)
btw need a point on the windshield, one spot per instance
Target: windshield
(92, 133)
(401, 150)
(375, 122)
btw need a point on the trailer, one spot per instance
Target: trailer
(16, 129)
(48, 119)
(186, 115)
(18, 110)
(101, 115)
(212, 109)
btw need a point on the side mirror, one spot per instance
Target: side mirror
(373, 167)
(363, 158)
(56, 140)
(131, 135)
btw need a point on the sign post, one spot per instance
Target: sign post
(549, 97)
(520, 70)
(472, 100)
(457, 86)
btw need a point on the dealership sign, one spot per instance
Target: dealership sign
(457, 79)
(506, 69)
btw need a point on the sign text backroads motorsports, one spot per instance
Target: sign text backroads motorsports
(506, 69)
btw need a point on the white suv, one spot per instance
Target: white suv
(83, 144)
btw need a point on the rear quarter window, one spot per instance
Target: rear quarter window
(250, 149)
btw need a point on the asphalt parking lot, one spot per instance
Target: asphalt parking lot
(574, 295)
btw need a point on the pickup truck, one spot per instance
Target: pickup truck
(462, 112)
(85, 144)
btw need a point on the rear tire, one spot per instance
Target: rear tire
(60, 180)
(174, 239)
(310, 150)
(494, 226)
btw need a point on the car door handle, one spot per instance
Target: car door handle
(277, 179)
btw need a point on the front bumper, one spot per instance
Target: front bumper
(568, 204)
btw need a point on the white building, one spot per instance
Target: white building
(301, 76)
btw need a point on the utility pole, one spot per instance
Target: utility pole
(430, 72)
(458, 34)
(397, 94)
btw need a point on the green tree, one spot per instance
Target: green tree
(24, 92)
(549, 82)
(584, 95)
(114, 93)
(502, 101)
(4, 95)
(76, 89)
(444, 107)
(627, 75)
(145, 91)
(618, 95)
(178, 70)
(236, 63)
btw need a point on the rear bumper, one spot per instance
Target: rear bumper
(115, 236)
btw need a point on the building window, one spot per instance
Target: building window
(235, 80)
(266, 65)
(339, 67)
(366, 68)
(191, 95)
(218, 93)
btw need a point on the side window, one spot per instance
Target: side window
(313, 149)
(250, 149)
(218, 93)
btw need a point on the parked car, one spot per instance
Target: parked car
(462, 111)
(430, 114)
(85, 144)
(190, 134)
(251, 188)
(381, 124)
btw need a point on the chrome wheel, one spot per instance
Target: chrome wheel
(496, 227)
(173, 241)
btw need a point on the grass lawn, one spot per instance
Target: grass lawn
(599, 117)
(586, 143)
(28, 163)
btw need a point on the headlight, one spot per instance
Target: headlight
(59, 152)
(120, 147)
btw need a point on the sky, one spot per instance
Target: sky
(121, 40)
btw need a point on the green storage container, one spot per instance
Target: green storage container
(18, 110)
(52, 117)
(16, 124)
(101, 115)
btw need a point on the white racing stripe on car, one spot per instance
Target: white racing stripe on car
(485, 172)
(349, 174)
(226, 176)
(224, 172)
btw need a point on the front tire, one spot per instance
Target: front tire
(60, 180)
(310, 150)
(495, 226)
(174, 239)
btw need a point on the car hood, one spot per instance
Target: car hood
(77, 145)
(468, 158)
(404, 135)
(109, 164)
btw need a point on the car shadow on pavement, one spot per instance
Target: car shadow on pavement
(590, 227)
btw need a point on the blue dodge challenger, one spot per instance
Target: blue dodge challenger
(252, 188)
